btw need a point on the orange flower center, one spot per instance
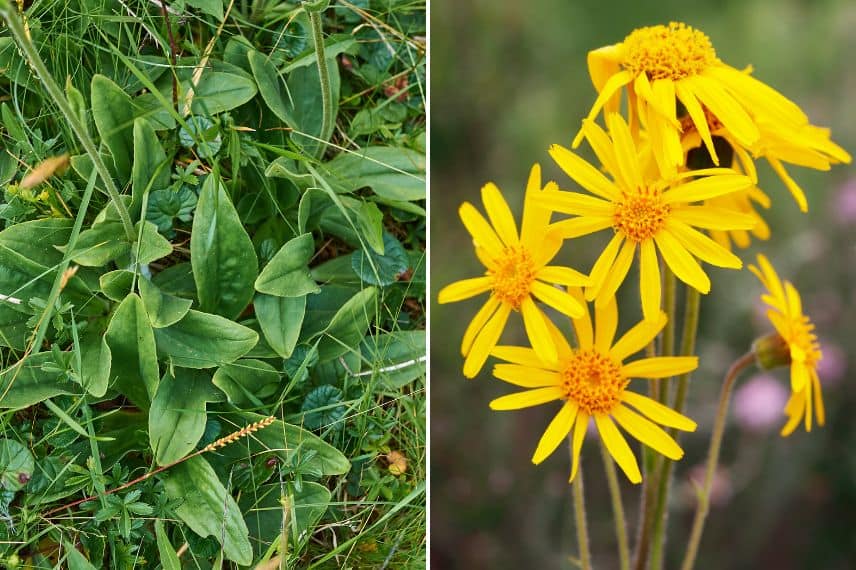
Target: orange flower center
(801, 336)
(667, 52)
(513, 276)
(593, 381)
(640, 215)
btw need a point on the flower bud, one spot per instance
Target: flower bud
(771, 351)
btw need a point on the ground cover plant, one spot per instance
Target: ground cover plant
(212, 279)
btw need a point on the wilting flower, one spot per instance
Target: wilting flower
(592, 381)
(517, 272)
(662, 66)
(796, 342)
(643, 212)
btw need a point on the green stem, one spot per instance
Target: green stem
(713, 458)
(580, 520)
(324, 76)
(650, 462)
(617, 508)
(688, 342)
(31, 53)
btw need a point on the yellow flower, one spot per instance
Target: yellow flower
(644, 212)
(797, 332)
(663, 65)
(592, 382)
(517, 273)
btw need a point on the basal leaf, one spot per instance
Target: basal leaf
(393, 173)
(152, 246)
(220, 91)
(116, 284)
(207, 508)
(113, 113)
(134, 362)
(383, 269)
(163, 309)
(26, 383)
(95, 358)
(306, 110)
(349, 325)
(271, 86)
(287, 274)
(203, 340)
(168, 557)
(222, 254)
(400, 354)
(177, 416)
(150, 169)
(16, 464)
(37, 240)
(247, 381)
(280, 319)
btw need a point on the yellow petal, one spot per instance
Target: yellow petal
(603, 265)
(535, 216)
(702, 246)
(697, 115)
(638, 337)
(713, 218)
(649, 280)
(557, 299)
(580, 427)
(577, 227)
(794, 302)
(660, 366)
(478, 322)
(584, 173)
(792, 186)
(537, 331)
(618, 448)
(799, 376)
(601, 144)
(556, 432)
(526, 399)
(682, 264)
(562, 275)
(610, 88)
(818, 400)
(500, 214)
(656, 411)
(583, 325)
(616, 274)
(485, 341)
(575, 203)
(727, 110)
(625, 150)
(606, 321)
(756, 94)
(796, 403)
(707, 187)
(647, 432)
(464, 289)
(521, 355)
(483, 235)
(526, 376)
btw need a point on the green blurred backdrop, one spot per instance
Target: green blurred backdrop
(508, 79)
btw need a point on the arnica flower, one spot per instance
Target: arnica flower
(592, 381)
(662, 66)
(798, 342)
(517, 273)
(644, 212)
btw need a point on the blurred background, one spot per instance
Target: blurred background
(508, 79)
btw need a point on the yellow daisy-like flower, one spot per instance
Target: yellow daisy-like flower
(592, 382)
(644, 212)
(797, 332)
(662, 66)
(517, 273)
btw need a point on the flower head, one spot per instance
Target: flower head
(517, 273)
(663, 66)
(646, 213)
(799, 343)
(592, 381)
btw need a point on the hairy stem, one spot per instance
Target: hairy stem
(713, 458)
(580, 520)
(617, 509)
(324, 76)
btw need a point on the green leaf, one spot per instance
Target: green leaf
(26, 382)
(247, 381)
(220, 91)
(152, 245)
(168, 557)
(330, 52)
(287, 274)
(134, 362)
(150, 169)
(16, 465)
(401, 354)
(101, 244)
(306, 105)
(37, 240)
(367, 220)
(201, 134)
(270, 85)
(210, 7)
(116, 284)
(163, 309)
(383, 269)
(222, 254)
(76, 560)
(113, 113)
(177, 416)
(207, 508)
(167, 205)
(322, 407)
(203, 340)
(280, 319)
(348, 326)
(393, 173)
(95, 358)
(290, 443)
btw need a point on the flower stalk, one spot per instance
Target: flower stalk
(580, 516)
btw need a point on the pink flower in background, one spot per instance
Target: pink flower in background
(844, 203)
(720, 492)
(758, 403)
(833, 365)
